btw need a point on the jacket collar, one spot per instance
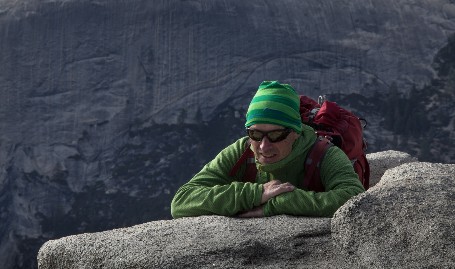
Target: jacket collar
(301, 144)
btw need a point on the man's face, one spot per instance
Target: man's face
(267, 152)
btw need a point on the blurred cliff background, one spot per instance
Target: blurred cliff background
(108, 106)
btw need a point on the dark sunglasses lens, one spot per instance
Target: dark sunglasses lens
(272, 136)
(255, 135)
(278, 135)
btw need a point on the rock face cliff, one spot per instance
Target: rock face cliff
(404, 221)
(107, 106)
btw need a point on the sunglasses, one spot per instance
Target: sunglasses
(273, 136)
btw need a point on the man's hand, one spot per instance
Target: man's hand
(274, 188)
(269, 190)
(257, 212)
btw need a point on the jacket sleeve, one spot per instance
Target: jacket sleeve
(340, 181)
(213, 191)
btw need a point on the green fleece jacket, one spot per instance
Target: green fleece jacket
(213, 191)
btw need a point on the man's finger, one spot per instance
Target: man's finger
(270, 191)
(285, 187)
(288, 185)
(256, 212)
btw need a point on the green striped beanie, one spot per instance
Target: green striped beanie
(275, 103)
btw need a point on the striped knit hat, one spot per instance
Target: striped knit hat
(275, 103)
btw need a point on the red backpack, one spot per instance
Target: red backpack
(334, 125)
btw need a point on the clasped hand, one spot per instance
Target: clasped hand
(269, 190)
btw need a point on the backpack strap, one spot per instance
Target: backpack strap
(247, 158)
(362, 168)
(312, 179)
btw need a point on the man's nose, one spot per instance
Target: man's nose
(265, 143)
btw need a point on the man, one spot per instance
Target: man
(280, 143)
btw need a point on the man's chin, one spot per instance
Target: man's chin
(268, 160)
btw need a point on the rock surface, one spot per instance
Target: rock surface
(202, 242)
(381, 161)
(404, 221)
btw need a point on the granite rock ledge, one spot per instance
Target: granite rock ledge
(403, 221)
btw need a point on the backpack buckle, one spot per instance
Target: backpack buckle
(322, 99)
